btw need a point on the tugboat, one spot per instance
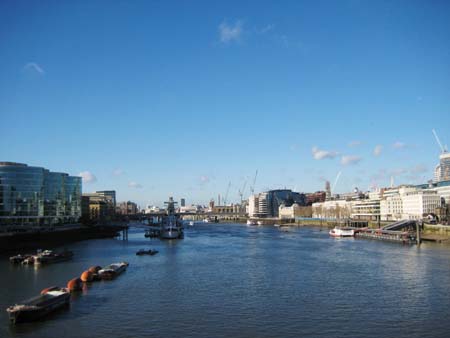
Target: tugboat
(171, 225)
(37, 307)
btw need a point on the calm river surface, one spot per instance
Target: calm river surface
(238, 281)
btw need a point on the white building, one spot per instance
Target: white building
(367, 209)
(408, 203)
(285, 212)
(332, 209)
(443, 191)
(189, 209)
(418, 204)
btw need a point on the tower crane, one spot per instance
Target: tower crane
(226, 195)
(252, 188)
(241, 192)
(443, 149)
(336, 180)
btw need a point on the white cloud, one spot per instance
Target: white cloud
(87, 177)
(230, 32)
(350, 159)
(133, 184)
(354, 143)
(266, 29)
(319, 154)
(33, 66)
(377, 150)
(399, 145)
(118, 172)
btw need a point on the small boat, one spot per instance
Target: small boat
(251, 222)
(48, 256)
(260, 223)
(191, 223)
(146, 252)
(37, 307)
(28, 261)
(113, 270)
(18, 258)
(342, 232)
(276, 225)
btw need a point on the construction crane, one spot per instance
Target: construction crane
(443, 149)
(226, 195)
(336, 180)
(241, 191)
(252, 188)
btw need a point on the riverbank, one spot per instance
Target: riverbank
(38, 239)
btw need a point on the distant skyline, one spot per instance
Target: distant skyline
(158, 99)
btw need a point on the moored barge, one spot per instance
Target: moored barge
(38, 307)
(113, 270)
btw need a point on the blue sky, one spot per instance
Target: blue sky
(159, 98)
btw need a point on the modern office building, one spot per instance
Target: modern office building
(442, 170)
(182, 202)
(267, 204)
(110, 196)
(36, 196)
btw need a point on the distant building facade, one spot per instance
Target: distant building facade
(36, 196)
(293, 211)
(127, 208)
(318, 196)
(99, 206)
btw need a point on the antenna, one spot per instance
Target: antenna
(443, 150)
(336, 180)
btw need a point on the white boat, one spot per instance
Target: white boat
(251, 222)
(260, 223)
(276, 225)
(342, 232)
(191, 223)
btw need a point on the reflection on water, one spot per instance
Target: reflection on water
(234, 280)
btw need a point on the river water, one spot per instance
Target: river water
(230, 280)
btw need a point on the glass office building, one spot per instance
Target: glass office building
(37, 196)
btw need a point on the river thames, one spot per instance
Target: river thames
(231, 280)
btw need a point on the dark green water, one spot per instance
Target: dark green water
(239, 281)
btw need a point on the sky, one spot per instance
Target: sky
(179, 98)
